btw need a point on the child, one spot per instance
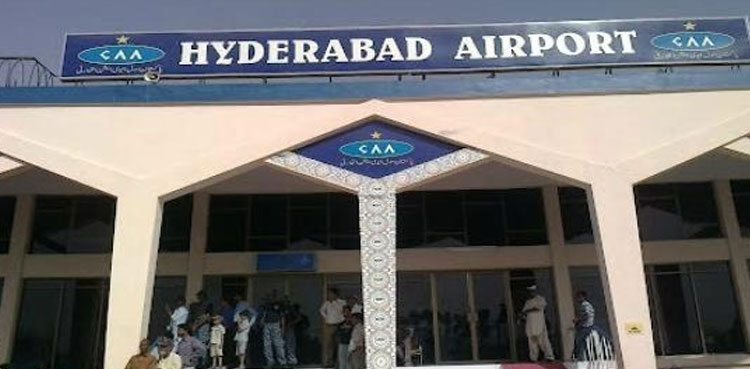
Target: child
(241, 338)
(217, 342)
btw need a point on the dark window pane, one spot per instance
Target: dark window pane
(484, 225)
(227, 223)
(344, 214)
(308, 228)
(587, 279)
(7, 211)
(493, 331)
(409, 226)
(73, 224)
(520, 280)
(718, 308)
(268, 216)
(741, 192)
(676, 311)
(576, 219)
(524, 209)
(444, 212)
(677, 211)
(175, 225)
(62, 324)
(414, 311)
(166, 292)
(698, 210)
(307, 200)
(453, 323)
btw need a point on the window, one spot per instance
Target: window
(61, 324)
(677, 211)
(283, 222)
(73, 224)
(414, 311)
(175, 225)
(166, 292)
(741, 193)
(587, 279)
(7, 211)
(470, 218)
(576, 219)
(694, 309)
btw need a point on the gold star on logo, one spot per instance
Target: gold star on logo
(689, 26)
(122, 40)
(376, 135)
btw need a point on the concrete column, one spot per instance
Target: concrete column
(20, 238)
(377, 214)
(136, 244)
(737, 261)
(560, 271)
(198, 237)
(612, 206)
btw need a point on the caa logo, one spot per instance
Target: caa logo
(691, 40)
(376, 148)
(121, 54)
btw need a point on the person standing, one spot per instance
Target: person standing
(217, 342)
(292, 321)
(167, 359)
(353, 303)
(190, 350)
(273, 320)
(177, 316)
(344, 337)
(591, 342)
(333, 315)
(142, 360)
(241, 338)
(536, 326)
(357, 343)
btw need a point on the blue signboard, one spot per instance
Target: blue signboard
(407, 49)
(376, 149)
(297, 262)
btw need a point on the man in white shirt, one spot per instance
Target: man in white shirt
(332, 312)
(536, 326)
(357, 343)
(177, 316)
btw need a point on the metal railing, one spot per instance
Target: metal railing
(25, 72)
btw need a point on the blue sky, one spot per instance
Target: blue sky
(37, 27)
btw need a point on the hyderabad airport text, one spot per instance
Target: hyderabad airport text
(405, 49)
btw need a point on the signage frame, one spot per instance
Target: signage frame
(399, 72)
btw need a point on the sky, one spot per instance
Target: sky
(37, 27)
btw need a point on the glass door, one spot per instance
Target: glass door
(453, 312)
(491, 316)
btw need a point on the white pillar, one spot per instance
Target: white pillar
(612, 207)
(377, 214)
(198, 237)
(561, 274)
(737, 261)
(20, 238)
(136, 243)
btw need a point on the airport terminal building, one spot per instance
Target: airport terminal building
(437, 198)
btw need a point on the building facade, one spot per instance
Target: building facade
(631, 186)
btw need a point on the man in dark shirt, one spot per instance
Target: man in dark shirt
(292, 320)
(273, 320)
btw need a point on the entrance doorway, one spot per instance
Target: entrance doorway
(471, 316)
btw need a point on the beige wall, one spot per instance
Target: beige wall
(144, 155)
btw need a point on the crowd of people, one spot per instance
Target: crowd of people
(201, 337)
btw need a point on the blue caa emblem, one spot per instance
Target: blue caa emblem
(121, 54)
(376, 149)
(692, 41)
